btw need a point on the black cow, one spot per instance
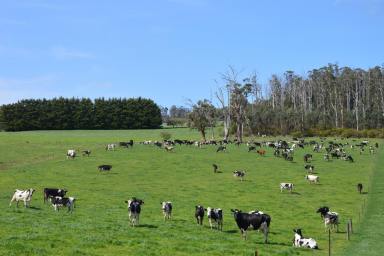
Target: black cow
(252, 220)
(104, 167)
(199, 214)
(360, 187)
(53, 192)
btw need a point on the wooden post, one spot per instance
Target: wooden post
(329, 242)
(351, 226)
(256, 253)
(348, 230)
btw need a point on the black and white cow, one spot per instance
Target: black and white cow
(167, 210)
(312, 178)
(239, 174)
(199, 214)
(59, 201)
(307, 158)
(22, 195)
(134, 209)
(86, 152)
(287, 186)
(215, 217)
(330, 218)
(253, 220)
(71, 153)
(104, 167)
(215, 167)
(300, 241)
(53, 192)
(221, 148)
(309, 168)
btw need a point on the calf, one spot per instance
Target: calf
(110, 147)
(134, 209)
(261, 152)
(104, 167)
(312, 178)
(255, 221)
(167, 210)
(53, 192)
(360, 187)
(239, 174)
(330, 218)
(71, 153)
(86, 152)
(215, 216)
(309, 168)
(299, 241)
(22, 195)
(59, 201)
(307, 158)
(221, 149)
(288, 186)
(199, 214)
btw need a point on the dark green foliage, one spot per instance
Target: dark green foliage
(69, 114)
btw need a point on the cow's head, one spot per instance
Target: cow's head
(297, 231)
(323, 210)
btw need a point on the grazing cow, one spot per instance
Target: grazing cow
(167, 210)
(59, 201)
(255, 221)
(168, 148)
(261, 152)
(288, 186)
(307, 158)
(104, 167)
(330, 218)
(22, 195)
(360, 187)
(71, 153)
(312, 178)
(221, 148)
(215, 167)
(134, 209)
(326, 157)
(309, 168)
(199, 214)
(53, 192)
(276, 152)
(251, 148)
(110, 147)
(300, 241)
(158, 144)
(215, 216)
(86, 152)
(239, 174)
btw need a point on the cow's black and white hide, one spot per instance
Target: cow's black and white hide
(215, 218)
(59, 201)
(71, 153)
(22, 195)
(86, 152)
(239, 174)
(53, 192)
(309, 168)
(287, 186)
(104, 167)
(134, 209)
(331, 219)
(167, 210)
(300, 241)
(199, 214)
(255, 221)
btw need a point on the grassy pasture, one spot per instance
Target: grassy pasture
(99, 224)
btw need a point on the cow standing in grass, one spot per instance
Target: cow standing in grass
(199, 214)
(22, 195)
(167, 210)
(252, 220)
(215, 217)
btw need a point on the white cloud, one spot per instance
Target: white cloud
(63, 53)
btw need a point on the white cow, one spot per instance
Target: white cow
(312, 178)
(110, 147)
(71, 153)
(22, 195)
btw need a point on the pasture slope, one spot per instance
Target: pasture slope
(99, 224)
(369, 238)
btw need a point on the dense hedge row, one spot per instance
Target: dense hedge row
(67, 114)
(341, 132)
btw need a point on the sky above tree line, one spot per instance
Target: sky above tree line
(174, 50)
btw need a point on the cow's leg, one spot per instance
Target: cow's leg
(12, 199)
(210, 222)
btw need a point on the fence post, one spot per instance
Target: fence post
(329, 242)
(350, 221)
(348, 230)
(256, 253)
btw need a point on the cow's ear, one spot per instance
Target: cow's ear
(205, 209)
(232, 210)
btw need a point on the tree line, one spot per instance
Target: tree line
(72, 113)
(330, 97)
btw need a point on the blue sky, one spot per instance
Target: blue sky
(174, 50)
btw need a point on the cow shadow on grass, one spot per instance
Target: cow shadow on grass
(147, 226)
(364, 193)
(34, 208)
(295, 193)
(232, 231)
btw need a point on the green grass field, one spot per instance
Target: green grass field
(99, 225)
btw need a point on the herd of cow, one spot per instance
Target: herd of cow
(255, 219)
